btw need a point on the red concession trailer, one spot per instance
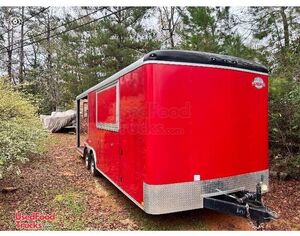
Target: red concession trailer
(182, 130)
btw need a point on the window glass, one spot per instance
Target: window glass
(85, 109)
(107, 112)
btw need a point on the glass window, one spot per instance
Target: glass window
(107, 114)
(85, 109)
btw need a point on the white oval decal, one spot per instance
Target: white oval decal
(258, 83)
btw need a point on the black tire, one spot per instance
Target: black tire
(87, 161)
(85, 152)
(93, 169)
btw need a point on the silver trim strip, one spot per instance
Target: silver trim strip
(167, 198)
(202, 65)
(248, 181)
(110, 180)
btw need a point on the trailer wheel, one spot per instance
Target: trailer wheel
(93, 169)
(87, 161)
(85, 153)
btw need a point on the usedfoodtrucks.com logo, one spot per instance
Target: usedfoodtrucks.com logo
(32, 221)
(258, 83)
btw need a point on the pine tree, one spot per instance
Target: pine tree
(213, 29)
(279, 30)
(92, 53)
(121, 38)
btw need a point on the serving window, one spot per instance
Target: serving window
(107, 114)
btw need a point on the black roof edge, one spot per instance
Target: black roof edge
(204, 58)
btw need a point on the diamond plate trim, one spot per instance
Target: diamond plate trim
(238, 182)
(167, 198)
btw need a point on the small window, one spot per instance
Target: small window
(107, 113)
(85, 109)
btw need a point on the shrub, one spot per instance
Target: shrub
(21, 134)
(284, 125)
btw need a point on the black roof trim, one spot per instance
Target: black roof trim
(204, 58)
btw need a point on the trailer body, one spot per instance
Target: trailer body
(178, 126)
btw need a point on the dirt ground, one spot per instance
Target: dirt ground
(58, 183)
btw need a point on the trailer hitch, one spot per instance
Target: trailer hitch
(242, 203)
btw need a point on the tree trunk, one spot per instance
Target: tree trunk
(49, 62)
(52, 86)
(9, 64)
(167, 17)
(285, 27)
(172, 28)
(49, 66)
(10, 42)
(21, 68)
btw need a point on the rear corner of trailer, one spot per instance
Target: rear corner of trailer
(231, 126)
(211, 136)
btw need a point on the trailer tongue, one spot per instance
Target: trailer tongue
(242, 203)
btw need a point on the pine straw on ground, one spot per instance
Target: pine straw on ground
(58, 182)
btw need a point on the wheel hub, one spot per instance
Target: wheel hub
(86, 161)
(92, 167)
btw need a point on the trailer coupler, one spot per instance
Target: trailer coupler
(242, 203)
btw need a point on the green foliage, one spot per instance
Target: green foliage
(284, 124)
(279, 29)
(20, 129)
(93, 53)
(200, 31)
(70, 206)
(211, 29)
(62, 67)
(233, 45)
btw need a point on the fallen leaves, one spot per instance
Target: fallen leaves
(58, 182)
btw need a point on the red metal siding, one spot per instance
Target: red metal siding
(213, 123)
(121, 155)
(133, 116)
(180, 121)
(106, 108)
(105, 143)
